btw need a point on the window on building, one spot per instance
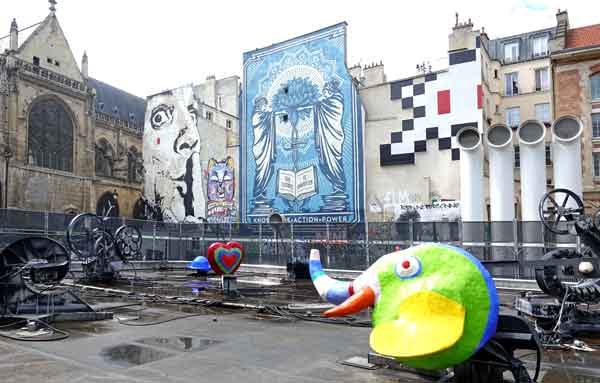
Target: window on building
(49, 60)
(513, 117)
(511, 81)
(228, 124)
(50, 138)
(542, 112)
(595, 83)
(209, 115)
(596, 157)
(511, 52)
(134, 165)
(548, 155)
(220, 102)
(36, 61)
(495, 73)
(540, 46)
(541, 79)
(517, 156)
(596, 125)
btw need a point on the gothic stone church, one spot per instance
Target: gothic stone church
(69, 143)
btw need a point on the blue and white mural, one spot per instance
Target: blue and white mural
(302, 146)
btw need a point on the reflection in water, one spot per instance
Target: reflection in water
(564, 375)
(180, 343)
(127, 355)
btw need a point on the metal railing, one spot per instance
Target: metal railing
(506, 248)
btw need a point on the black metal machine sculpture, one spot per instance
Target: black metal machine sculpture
(569, 278)
(30, 271)
(101, 251)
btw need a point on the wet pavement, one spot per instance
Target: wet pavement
(165, 342)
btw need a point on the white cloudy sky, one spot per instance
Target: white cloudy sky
(151, 45)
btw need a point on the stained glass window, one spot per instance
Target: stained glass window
(50, 142)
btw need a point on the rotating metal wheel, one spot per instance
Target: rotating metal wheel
(560, 206)
(82, 233)
(38, 263)
(129, 241)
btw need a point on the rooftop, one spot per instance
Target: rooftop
(583, 37)
(118, 103)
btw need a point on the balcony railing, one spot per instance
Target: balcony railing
(134, 126)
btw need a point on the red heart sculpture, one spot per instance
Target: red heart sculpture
(225, 258)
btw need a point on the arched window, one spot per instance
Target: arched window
(50, 142)
(104, 158)
(134, 165)
(108, 205)
(595, 82)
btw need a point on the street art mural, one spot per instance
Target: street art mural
(172, 148)
(221, 189)
(442, 103)
(301, 150)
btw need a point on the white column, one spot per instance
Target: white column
(501, 160)
(471, 175)
(532, 135)
(566, 155)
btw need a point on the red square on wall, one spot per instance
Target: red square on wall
(443, 101)
(479, 97)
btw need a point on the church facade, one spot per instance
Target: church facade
(68, 142)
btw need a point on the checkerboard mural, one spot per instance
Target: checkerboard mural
(440, 105)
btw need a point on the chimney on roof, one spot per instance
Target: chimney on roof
(14, 36)
(84, 65)
(463, 36)
(373, 74)
(559, 41)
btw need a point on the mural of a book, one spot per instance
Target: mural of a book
(301, 149)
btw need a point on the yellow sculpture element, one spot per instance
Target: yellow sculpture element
(427, 323)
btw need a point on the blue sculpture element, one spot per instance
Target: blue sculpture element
(302, 121)
(200, 264)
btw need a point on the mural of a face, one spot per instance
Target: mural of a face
(172, 155)
(220, 180)
(302, 140)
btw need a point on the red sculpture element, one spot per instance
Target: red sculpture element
(225, 258)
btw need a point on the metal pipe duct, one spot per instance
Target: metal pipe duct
(471, 175)
(566, 153)
(532, 135)
(501, 158)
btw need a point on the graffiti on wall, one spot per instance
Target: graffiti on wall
(302, 146)
(440, 104)
(221, 190)
(403, 205)
(172, 155)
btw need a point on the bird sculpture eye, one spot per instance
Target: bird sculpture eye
(408, 267)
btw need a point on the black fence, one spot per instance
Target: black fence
(506, 248)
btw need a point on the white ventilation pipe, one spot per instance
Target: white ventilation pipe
(566, 155)
(501, 157)
(471, 175)
(532, 136)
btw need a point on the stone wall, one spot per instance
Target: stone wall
(572, 95)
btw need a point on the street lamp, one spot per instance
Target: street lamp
(7, 155)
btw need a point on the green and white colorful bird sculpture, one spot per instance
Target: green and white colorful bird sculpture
(434, 305)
